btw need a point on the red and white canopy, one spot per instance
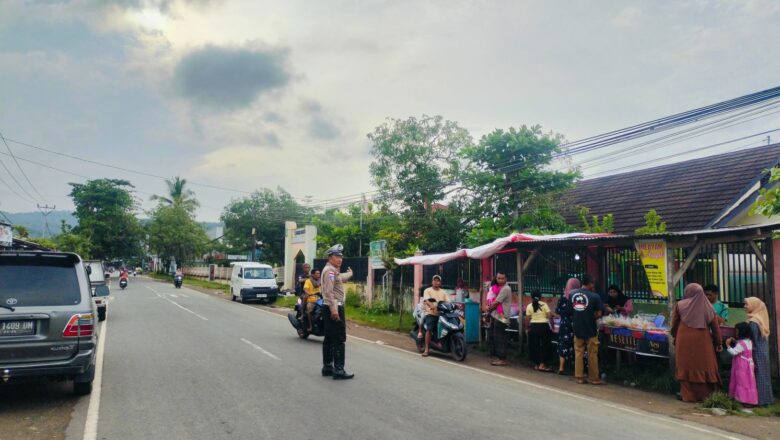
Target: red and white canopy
(487, 250)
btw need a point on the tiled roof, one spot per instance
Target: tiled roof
(687, 195)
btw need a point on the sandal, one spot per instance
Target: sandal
(545, 370)
(582, 381)
(425, 355)
(561, 372)
(597, 382)
(499, 363)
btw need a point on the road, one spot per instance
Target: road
(180, 364)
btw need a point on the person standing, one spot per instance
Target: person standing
(432, 296)
(721, 310)
(742, 386)
(537, 316)
(334, 345)
(499, 321)
(565, 329)
(696, 338)
(758, 317)
(587, 308)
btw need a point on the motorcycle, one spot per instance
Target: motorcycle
(177, 281)
(447, 337)
(300, 320)
(123, 283)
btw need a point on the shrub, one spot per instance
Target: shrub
(721, 400)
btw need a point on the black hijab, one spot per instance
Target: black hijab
(619, 300)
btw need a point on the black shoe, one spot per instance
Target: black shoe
(327, 370)
(342, 375)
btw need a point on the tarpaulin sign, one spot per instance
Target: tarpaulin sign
(653, 256)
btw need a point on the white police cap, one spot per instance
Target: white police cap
(335, 250)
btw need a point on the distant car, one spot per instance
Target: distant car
(47, 319)
(97, 277)
(253, 282)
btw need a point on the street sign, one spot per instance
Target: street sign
(377, 251)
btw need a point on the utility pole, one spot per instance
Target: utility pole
(362, 207)
(254, 245)
(45, 211)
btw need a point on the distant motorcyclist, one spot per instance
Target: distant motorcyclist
(124, 275)
(311, 293)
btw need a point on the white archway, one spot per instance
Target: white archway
(297, 240)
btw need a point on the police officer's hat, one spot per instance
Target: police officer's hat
(335, 250)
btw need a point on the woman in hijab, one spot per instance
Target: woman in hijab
(618, 302)
(565, 329)
(696, 338)
(758, 317)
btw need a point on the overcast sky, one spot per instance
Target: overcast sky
(245, 94)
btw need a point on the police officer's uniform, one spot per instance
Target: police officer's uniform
(333, 347)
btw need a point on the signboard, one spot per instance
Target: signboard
(377, 251)
(238, 257)
(6, 235)
(653, 345)
(621, 339)
(653, 256)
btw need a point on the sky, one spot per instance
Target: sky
(236, 95)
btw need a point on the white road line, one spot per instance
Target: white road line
(93, 411)
(173, 295)
(177, 304)
(606, 403)
(261, 349)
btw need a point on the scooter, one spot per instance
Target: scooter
(300, 320)
(123, 283)
(447, 337)
(177, 281)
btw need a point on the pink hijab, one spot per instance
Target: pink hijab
(695, 309)
(572, 284)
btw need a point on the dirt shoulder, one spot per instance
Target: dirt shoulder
(757, 427)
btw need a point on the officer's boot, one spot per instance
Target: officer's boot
(338, 363)
(327, 359)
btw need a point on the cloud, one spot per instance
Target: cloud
(320, 126)
(230, 77)
(162, 5)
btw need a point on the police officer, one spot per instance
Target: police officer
(333, 348)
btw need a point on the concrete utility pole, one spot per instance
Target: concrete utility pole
(254, 245)
(362, 207)
(45, 211)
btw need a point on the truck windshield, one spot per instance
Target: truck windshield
(258, 273)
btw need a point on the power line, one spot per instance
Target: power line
(20, 168)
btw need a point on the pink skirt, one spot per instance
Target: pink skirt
(742, 386)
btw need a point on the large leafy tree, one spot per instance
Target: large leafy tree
(509, 176)
(106, 209)
(178, 195)
(265, 211)
(174, 233)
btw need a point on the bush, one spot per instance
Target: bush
(721, 400)
(378, 307)
(353, 299)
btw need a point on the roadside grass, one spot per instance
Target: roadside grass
(224, 288)
(646, 374)
(286, 301)
(721, 400)
(768, 411)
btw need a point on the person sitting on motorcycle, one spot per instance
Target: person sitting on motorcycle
(124, 275)
(431, 298)
(311, 293)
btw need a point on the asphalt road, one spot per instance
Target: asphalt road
(180, 364)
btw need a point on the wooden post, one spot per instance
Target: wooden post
(418, 275)
(520, 292)
(773, 276)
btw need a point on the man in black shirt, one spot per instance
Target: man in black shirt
(587, 308)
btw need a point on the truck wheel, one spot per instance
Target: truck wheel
(232, 297)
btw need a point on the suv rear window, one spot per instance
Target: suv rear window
(38, 283)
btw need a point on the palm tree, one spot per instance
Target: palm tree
(178, 195)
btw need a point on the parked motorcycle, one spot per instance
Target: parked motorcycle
(300, 320)
(447, 337)
(177, 281)
(123, 283)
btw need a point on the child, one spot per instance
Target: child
(492, 293)
(742, 386)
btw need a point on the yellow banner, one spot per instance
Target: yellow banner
(653, 255)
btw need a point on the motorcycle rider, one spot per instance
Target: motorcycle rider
(302, 280)
(311, 292)
(432, 296)
(333, 347)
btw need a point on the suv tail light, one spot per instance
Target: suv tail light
(79, 325)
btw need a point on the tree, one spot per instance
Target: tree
(173, 232)
(178, 195)
(653, 224)
(266, 211)
(508, 175)
(20, 232)
(596, 226)
(70, 241)
(105, 210)
(768, 201)
(416, 161)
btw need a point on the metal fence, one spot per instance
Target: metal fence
(551, 268)
(733, 267)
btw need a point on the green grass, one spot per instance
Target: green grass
(189, 281)
(721, 400)
(647, 374)
(286, 301)
(769, 411)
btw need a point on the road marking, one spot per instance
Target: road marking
(177, 304)
(93, 411)
(606, 403)
(173, 295)
(261, 349)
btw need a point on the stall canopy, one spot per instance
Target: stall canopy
(487, 250)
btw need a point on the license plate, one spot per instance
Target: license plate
(17, 328)
(262, 295)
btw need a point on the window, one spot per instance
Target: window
(258, 273)
(38, 284)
